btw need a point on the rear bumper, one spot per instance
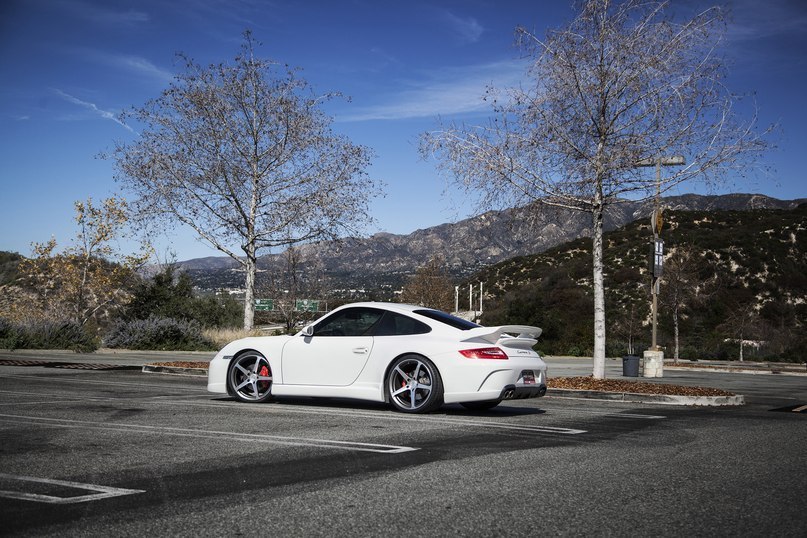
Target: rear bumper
(512, 392)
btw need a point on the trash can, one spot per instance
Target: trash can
(630, 366)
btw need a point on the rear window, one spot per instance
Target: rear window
(393, 324)
(448, 319)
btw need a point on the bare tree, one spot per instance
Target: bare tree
(243, 154)
(742, 323)
(297, 278)
(623, 84)
(430, 287)
(683, 287)
(627, 325)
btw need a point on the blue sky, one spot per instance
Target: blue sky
(69, 67)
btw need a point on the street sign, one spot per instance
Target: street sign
(306, 305)
(657, 220)
(264, 305)
(658, 258)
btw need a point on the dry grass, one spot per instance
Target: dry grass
(222, 337)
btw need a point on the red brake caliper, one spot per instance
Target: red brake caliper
(264, 372)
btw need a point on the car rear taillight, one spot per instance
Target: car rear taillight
(484, 353)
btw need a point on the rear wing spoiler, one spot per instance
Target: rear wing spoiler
(525, 336)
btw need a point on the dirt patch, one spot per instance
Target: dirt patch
(183, 364)
(635, 387)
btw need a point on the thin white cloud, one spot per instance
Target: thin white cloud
(134, 64)
(143, 67)
(105, 114)
(755, 20)
(467, 29)
(102, 14)
(449, 92)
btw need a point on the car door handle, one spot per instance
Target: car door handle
(360, 350)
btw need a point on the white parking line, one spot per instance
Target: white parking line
(635, 415)
(210, 434)
(66, 398)
(63, 379)
(103, 492)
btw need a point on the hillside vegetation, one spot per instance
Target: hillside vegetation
(748, 284)
(8, 266)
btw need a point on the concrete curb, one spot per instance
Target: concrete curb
(663, 399)
(752, 371)
(193, 372)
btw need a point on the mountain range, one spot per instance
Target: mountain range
(375, 266)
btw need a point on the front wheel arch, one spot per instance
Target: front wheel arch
(248, 389)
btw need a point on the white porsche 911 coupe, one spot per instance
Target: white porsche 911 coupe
(414, 357)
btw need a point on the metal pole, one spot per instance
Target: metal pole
(654, 344)
(654, 279)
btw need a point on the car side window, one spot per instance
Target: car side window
(393, 324)
(349, 322)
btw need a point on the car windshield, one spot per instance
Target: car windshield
(448, 319)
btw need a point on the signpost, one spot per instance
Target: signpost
(264, 305)
(654, 357)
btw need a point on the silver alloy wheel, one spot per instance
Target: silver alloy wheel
(250, 377)
(413, 384)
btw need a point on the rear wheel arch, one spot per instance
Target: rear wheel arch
(389, 367)
(433, 397)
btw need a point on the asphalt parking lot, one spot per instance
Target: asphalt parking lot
(119, 452)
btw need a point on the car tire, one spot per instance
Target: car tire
(414, 385)
(481, 406)
(249, 378)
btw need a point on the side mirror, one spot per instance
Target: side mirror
(308, 330)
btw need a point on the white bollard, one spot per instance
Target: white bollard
(653, 363)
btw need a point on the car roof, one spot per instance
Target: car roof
(395, 307)
(416, 310)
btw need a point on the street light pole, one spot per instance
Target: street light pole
(656, 222)
(658, 255)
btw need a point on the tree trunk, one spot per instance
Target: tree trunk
(599, 294)
(249, 287)
(675, 333)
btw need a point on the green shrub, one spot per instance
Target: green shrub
(155, 333)
(170, 294)
(9, 335)
(46, 334)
